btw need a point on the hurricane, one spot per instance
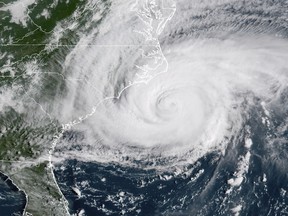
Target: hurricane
(164, 107)
(177, 97)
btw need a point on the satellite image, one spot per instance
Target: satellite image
(144, 107)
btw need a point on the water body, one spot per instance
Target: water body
(12, 200)
(202, 188)
(169, 108)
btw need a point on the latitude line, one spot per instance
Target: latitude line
(72, 45)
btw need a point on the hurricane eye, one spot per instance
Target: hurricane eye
(144, 107)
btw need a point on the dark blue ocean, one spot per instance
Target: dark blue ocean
(201, 188)
(12, 200)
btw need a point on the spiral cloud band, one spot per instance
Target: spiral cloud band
(144, 107)
(163, 98)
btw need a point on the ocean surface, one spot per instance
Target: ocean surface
(146, 108)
